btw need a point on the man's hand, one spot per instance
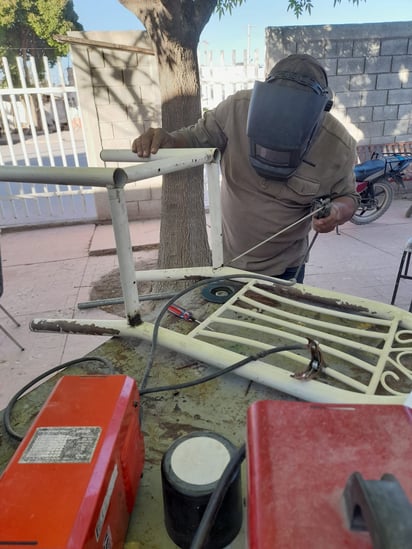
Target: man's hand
(341, 210)
(152, 140)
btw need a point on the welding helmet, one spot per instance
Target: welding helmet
(284, 115)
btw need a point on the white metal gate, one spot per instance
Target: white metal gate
(41, 125)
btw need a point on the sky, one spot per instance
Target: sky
(245, 28)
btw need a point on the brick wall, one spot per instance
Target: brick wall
(369, 68)
(119, 98)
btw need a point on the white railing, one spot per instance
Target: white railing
(221, 77)
(40, 125)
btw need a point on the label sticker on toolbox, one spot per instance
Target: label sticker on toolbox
(61, 445)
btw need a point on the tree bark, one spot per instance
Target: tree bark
(174, 27)
(183, 234)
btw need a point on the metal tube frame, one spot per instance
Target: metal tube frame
(166, 161)
(115, 180)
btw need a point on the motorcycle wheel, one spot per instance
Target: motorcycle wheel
(369, 209)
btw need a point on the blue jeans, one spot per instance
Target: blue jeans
(291, 272)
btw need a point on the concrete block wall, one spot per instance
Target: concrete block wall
(369, 68)
(119, 98)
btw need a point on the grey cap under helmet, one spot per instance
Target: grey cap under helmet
(304, 65)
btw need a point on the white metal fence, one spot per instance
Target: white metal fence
(220, 78)
(40, 125)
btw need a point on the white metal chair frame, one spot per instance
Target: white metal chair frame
(403, 271)
(2, 328)
(372, 338)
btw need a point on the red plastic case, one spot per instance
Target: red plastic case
(299, 458)
(73, 479)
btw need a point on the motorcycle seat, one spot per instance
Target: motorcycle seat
(364, 170)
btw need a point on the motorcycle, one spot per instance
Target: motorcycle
(375, 180)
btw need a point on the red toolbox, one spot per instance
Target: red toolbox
(73, 479)
(300, 457)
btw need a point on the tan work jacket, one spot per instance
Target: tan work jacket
(254, 208)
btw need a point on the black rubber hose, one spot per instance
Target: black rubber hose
(216, 499)
(7, 412)
(226, 370)
(200, 283)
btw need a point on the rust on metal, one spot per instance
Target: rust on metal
(135, 320)
(71, 327)
(316, 364)
(313, 299)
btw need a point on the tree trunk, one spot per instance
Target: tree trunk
(174, 28)
(183, 234)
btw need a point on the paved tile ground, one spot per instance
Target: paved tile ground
(364, 260)
(47, 272)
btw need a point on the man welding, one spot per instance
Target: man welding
(282, 150)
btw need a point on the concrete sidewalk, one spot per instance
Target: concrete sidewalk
(47, 272)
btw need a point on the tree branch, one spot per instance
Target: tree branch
(199, 11)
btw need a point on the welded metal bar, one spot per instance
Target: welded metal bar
(106, 177)
(385, 352)
(115, 180)
(120, 300)
(125, 255)
(163, 164)
(127, 155)
(90, 177)
(381, 313)
(213, 176)
(191, 273)
(259, 371)
(215, 213)
(121, 225)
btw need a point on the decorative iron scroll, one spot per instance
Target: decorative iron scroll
(363, 352)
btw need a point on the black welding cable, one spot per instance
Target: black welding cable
(216, 499)
(227, 370)
(7, 412)
(156, 325)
